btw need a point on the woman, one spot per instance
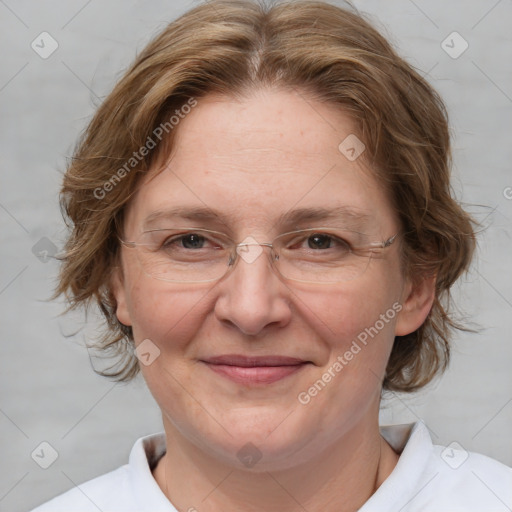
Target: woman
(261, 209)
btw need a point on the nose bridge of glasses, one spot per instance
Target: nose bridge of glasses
(253, 243)
(249, 250)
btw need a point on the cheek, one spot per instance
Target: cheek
(343, 313)
(356, 324)
(168, 316)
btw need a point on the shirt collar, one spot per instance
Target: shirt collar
(412, 441)
(144, 456)
(414, 444)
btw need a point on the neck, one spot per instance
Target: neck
(341, 478)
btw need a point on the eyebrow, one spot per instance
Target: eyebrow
(293, 218)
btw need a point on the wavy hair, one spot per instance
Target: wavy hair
(231, 47)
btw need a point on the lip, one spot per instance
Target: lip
(256, 369)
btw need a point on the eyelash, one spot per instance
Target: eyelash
(168, 242)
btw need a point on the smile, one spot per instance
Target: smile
(255, 370)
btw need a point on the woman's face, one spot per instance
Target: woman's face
(253, 161)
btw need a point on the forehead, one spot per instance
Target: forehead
(258, 161)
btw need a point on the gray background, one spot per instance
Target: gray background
(49, 392)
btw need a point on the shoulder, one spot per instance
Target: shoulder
(130, 488)
(107, 492)
(431, 478)
(467, 480)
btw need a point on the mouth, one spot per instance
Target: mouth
(255, 370)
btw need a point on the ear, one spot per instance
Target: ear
(417, 299)
(119, 292)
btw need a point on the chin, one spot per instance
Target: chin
(262, 441)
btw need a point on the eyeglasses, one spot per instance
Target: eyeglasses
(197, 255)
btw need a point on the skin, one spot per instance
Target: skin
(254, 159)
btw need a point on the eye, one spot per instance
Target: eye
(322, 241)
(188, 241)
(319, 241)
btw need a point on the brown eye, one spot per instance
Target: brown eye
(324, 241)
(319, 241)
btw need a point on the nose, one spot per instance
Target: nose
(251, 297)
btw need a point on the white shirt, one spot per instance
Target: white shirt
(427, 478)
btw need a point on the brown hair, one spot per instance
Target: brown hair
(228, 47)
